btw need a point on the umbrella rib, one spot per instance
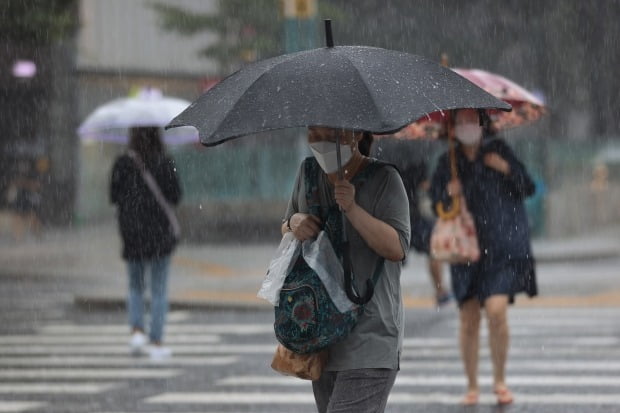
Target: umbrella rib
(377, 111)
(232, 108)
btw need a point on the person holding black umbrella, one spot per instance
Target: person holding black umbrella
(362, 368)
(494, 184)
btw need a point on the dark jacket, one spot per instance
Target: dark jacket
(494, 199)
(144, 226)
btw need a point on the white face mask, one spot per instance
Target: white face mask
(327, 157)
(468, 133)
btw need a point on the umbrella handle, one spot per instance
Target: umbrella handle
(341, 177)
(348, 279)
(346, 257)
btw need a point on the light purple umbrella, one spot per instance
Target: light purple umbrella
(111, 121)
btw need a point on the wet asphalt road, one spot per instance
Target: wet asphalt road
(55, 357)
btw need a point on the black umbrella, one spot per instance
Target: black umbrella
(349, 87)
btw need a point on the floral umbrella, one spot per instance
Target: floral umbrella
(527, 107)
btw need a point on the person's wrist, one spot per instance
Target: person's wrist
(350, 208)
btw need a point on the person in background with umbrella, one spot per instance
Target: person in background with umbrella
(362, 368)
(494, 183)
(415, 178)
(147, 236)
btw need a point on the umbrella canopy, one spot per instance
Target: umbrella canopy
(527, 107)
(351, 87)
(111, 121)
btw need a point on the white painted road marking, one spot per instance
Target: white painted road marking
(127, 361)
(231, 398)
(55, 388)
(15, 407)
(172, 329)
(442, 380)
(92, 374)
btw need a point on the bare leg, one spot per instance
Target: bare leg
(496, 308)
(469, 340)
(435, 270)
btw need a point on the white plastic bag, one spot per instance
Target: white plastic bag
(319, 254)
(279, 267)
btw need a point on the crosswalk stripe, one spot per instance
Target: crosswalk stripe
(123, 349)
(520, 398)
(515, 380)
(529, 365)
(92, 374)
(232, 398)
(186, 331)
(233, 329)
(55, 388)
(127, 361)
(514, 352)
(14, 407)
(531, 350)
(100, 339)
(441, 380)
(599, 341)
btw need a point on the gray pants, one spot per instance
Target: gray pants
(353, 391)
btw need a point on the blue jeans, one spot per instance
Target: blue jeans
(159, 295)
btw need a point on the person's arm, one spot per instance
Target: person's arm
(501, 158)
(380, 236)
(303, 226)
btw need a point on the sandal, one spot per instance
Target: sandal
(470, 398)
(504, 396)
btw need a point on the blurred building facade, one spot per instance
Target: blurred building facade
(120, 47)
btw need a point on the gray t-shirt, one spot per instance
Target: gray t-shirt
(376, 340)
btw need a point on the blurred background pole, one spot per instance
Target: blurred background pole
(300, 24)
(300, 30)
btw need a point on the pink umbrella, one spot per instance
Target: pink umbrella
(526, 107)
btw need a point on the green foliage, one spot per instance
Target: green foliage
(37, 21)
(247, 30)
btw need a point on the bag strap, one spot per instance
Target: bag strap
(333, 227)
(151, 183)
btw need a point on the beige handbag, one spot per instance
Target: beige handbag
(304, 366)
(454, 239)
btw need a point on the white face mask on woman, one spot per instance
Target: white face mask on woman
(327, 157)
(468, 133)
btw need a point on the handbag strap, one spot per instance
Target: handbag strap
(333, 228)
(151, 183)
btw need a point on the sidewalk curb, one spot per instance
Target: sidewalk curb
(89, 303)
(571, 257)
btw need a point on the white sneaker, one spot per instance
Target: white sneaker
(159, 352)
(137, 342)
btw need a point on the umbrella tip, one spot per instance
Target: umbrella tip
(329, 39)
